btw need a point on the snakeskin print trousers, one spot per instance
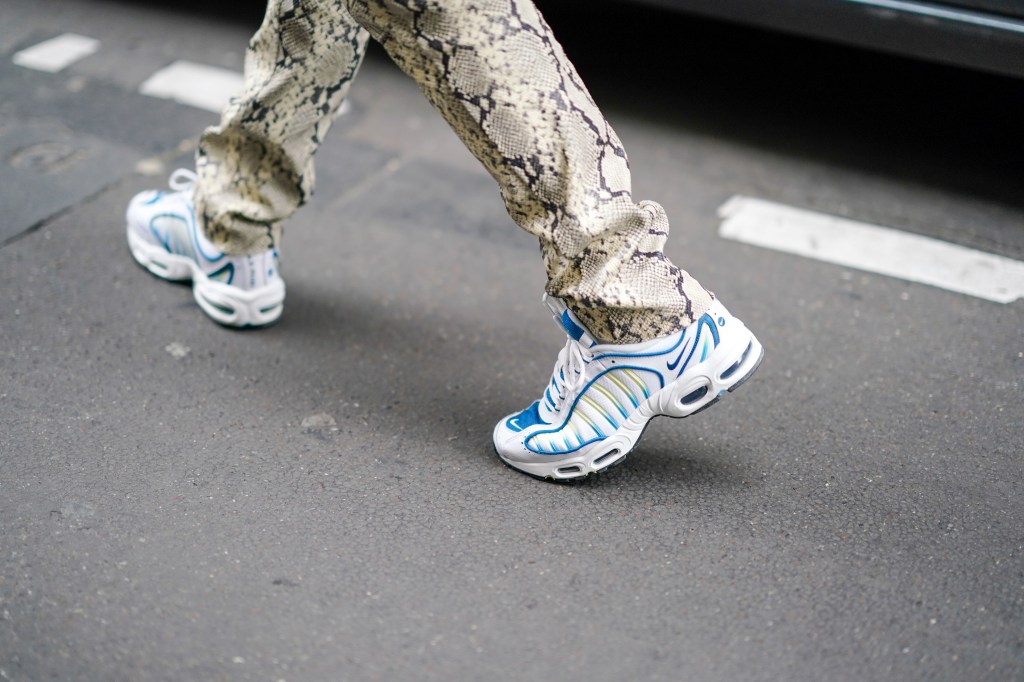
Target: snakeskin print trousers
(495, 72)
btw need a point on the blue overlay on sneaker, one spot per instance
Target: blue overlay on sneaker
(225, 274)
(571, 328)
(528, 417)
(706, 342)
(179, 234)
(621, 388)
(167, 235)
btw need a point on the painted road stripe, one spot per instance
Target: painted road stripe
(197, 85)
(873, 248)
(56, 54)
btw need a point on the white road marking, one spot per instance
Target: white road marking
(197, 85)
(873, 248)
(56, 54)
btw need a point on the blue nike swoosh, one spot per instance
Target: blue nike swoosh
(675, 363)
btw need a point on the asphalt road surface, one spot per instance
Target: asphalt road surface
(320, 500)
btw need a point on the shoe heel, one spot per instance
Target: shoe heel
(749, 372)
(233, 307)
(700, 393)
(158, 261)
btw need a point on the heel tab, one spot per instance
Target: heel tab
(567, 320)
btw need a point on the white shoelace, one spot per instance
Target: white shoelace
(569, 374)
(182, 180)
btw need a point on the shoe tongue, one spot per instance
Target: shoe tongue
(568, 321)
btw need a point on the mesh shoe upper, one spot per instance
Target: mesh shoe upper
(167, 220)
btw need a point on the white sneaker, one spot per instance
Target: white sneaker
(601, 396)
(237, 291)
